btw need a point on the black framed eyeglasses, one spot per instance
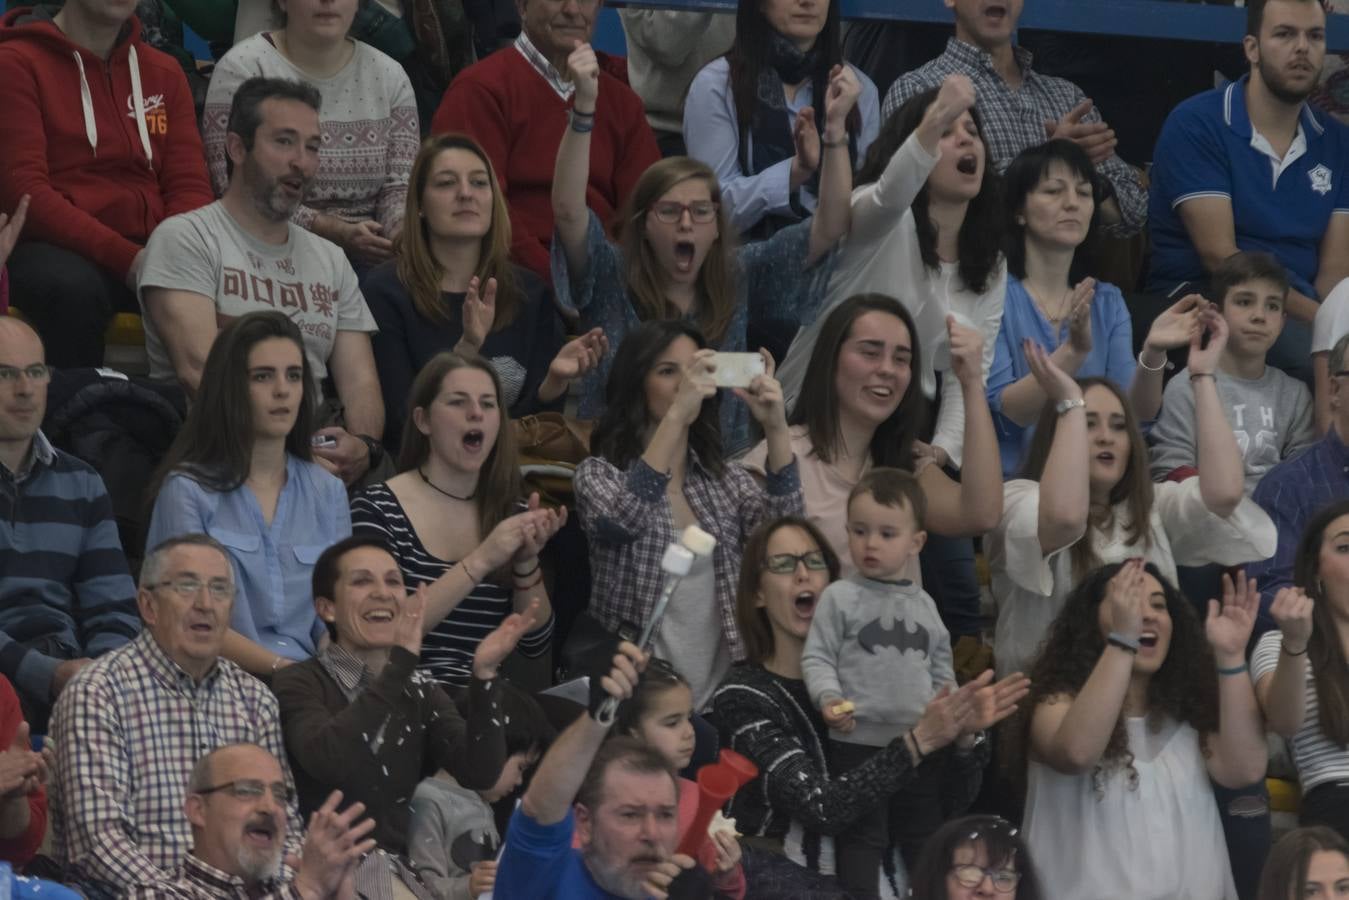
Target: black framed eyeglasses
(786, 563)
(970, 875)
(252, 789)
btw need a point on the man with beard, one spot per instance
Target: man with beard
(1252, 166)
(625, 814)
(242, 254)
(236, 803)
(130, 728)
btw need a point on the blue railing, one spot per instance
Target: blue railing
(1138, 18)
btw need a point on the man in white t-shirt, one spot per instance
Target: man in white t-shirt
(242, 254)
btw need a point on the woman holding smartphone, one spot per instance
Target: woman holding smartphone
(658, 468)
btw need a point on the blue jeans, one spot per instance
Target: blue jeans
(948, 575)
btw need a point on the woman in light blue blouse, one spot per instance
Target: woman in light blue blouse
(753, 114)
(1053, 199)
(676, 256)
(242, 471)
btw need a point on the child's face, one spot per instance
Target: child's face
(1254, 314)
(882, 539)
(667, 726)
(511, 777)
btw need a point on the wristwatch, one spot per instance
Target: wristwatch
(374, 447)
(1064, 405)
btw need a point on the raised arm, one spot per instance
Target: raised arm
(1071, 733)
(571, 174)
(563, 768)
(1283, 692)
(1238, 755)
(1222, 481)
(1023, 399)
(833, 212)
(1176, 326)
(1065, 498)
(974, 504)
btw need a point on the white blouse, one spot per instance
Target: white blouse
(1160, 839)
(1031, 587)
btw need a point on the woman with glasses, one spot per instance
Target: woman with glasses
(975, 858)
(763, 710)
(242, 471)
(451, 286)
(676, 256)
(658, 468)
(1137, 712)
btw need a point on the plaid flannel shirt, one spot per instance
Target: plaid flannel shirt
(128, 731)
(1014, 119)
(626, 515)
(196, 880)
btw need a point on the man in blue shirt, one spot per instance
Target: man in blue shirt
(626, 814)
(65, 592)
(1250, 166)
(1294, 491)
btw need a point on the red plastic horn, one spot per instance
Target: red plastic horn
(717, 783)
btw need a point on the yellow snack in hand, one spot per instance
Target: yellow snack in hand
(843, 708)
(722, 823)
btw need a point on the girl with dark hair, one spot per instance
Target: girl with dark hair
(975, 858)
(677, 257)
(1299, 670)
(660, 714)
(1307, 863)
(926, 229)
(763, 710)
(1100, 505)
(859, 408)
(1135, 706)
(1053, 208)
(657, 469)
(455, 517)
(749, 115)
(451, 286)
(242, 471)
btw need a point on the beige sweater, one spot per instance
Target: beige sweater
(665, 50)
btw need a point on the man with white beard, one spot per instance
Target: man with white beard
(236, 802)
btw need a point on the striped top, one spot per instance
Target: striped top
(65, 581)
(1319, 760)
(447, 650)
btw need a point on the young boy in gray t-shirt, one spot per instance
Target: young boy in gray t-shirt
(1270, 411)
(877, 652)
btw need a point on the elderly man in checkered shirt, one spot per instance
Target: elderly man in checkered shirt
(1021, 108)
(131, 726)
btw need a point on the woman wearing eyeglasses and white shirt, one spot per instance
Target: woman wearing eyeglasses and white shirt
(675, 257)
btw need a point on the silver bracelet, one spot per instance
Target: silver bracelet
(1164, 367)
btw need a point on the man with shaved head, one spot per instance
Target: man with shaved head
(236, 803)
(66, 594)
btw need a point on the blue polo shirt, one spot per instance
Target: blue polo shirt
(1208, 149)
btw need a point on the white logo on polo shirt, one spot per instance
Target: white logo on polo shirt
(1320, 179)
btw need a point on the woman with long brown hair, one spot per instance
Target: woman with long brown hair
(1100, 505)
(676, 257)
(456, 520)
(1300, 669)
(451, 286)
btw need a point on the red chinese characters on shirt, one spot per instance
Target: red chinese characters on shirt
(301, 301)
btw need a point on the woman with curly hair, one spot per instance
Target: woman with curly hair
(1134, 707)
(1307, 863)
(1299, 669)
(1101, 505)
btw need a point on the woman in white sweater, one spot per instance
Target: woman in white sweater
(369, 123)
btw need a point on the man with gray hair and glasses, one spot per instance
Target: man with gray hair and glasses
(129, 731)
(237, 797)
(66, 594)
(1297, 489)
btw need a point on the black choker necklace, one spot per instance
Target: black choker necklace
(443, 491)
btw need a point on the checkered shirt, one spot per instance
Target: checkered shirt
(627, 517)
(195, 880)
(128, 731)
(1013, 119)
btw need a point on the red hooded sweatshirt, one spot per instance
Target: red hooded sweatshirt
(107, 149)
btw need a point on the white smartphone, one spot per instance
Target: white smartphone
(736, 370)
(323, 440)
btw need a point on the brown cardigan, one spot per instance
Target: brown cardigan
(375, 749)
